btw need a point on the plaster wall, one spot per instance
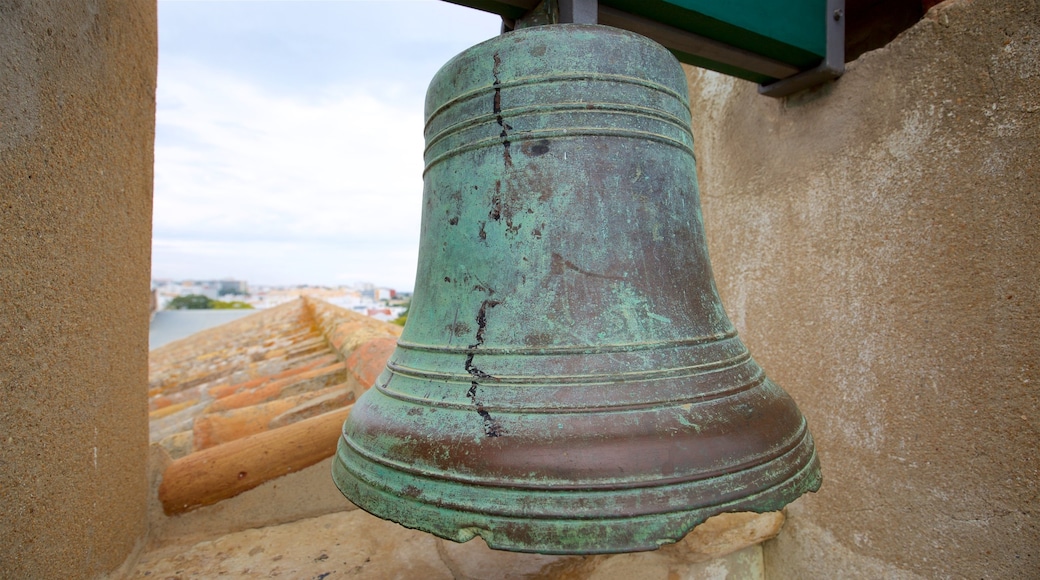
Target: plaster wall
(77, 117)
(877, 244)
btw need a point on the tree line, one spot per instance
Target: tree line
(200, 302)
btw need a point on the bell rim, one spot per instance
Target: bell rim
(562, 535)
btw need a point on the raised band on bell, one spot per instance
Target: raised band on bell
(568, 381)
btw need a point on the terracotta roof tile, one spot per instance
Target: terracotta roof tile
(310, 380)
(319, 360)
(215, 428)
(369, 359)
(327, 400)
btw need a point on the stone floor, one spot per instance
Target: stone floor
(353, 544)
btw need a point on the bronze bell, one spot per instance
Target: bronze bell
(567, 381)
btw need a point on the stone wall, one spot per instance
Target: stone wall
(877, 244)
(77, 118)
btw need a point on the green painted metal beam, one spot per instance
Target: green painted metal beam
(758, 40)
(737, 24)
(796, 23)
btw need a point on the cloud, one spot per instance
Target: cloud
(243, 163)
(284, 182)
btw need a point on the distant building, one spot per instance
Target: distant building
(384, 314)
(233, 287)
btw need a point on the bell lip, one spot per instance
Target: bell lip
(568, 536)
(575, 519)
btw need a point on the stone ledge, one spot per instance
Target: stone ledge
(356, 544)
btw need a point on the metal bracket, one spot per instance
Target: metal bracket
(579, 11)
(833, 64)
(555, 12)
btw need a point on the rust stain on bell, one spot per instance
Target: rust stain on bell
(568, 381)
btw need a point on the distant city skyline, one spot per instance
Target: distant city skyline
(352, 285)
(289, 137)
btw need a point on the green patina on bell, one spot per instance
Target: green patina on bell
(568, 381)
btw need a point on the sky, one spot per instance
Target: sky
(289, 142)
